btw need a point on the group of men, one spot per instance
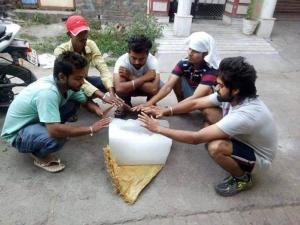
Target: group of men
(239, 130)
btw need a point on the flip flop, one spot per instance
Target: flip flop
(52, 166)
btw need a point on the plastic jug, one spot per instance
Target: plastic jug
(132, 144)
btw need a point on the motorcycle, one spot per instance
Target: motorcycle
(13, 52)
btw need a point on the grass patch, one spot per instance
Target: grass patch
(28, 37)
(35, 19)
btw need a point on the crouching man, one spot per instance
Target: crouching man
(240, 130)
(35, 119)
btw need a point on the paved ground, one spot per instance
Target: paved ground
(183, 191)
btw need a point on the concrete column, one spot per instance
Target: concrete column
(267, 21)
(184, 7)
(183, 19)
(268, 9)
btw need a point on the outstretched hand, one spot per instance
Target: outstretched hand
(149, 122)
(155, 111)
(140, 107)
(97, 126)
(113, 100)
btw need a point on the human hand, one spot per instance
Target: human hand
(150, 75)
(140, 107)
(97, 126)
(149, 122)
(124, 72)
(113, 99)
(98, 111)
(155, 111)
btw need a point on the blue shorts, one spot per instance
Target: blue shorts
(243, 155)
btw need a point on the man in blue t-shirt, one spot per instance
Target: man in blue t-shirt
(35, 119)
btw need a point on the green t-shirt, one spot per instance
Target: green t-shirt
(38, 102)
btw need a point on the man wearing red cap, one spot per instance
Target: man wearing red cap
(94, 86)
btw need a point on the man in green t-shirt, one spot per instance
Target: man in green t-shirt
(35, 119)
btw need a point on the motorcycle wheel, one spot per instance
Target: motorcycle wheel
(6, 93)
(18, 77)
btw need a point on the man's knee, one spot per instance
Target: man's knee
(218, 148)
(35, 139)
(211, 115)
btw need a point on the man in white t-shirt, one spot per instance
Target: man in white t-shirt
(239, 128)
(136, 73)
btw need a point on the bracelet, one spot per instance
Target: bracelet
(105, 94)
(133, 85)
(91, 131)
(171, 110)
(103, 97)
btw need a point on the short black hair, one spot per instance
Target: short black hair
(139, 44)
(236, 73)
(66, 62)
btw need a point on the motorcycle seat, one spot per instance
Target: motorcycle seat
(2, 30)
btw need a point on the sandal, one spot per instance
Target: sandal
(52, 166)
(72, 119)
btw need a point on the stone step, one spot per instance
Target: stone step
(229, 39)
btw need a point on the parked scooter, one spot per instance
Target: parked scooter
(13, 74)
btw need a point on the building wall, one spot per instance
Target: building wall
(111, 10)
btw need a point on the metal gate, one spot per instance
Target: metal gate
(208, 9)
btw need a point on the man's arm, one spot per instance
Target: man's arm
(99, 63)
(151, 87)
(126, 82)
(207, 134)
(201, 90)
(165, 90)
(58, 130)
(181, 107)
(93, 107)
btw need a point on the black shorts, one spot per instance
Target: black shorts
(243, 155)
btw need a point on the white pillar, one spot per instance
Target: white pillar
(184, 7)
(183, 19)
(266, 18)
(268, 9)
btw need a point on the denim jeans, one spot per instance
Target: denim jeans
(35, 138)
(187, 90)
(97, 82)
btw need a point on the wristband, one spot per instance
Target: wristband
(91, 131)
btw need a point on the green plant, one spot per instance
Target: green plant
(40, 18)
(250, 10)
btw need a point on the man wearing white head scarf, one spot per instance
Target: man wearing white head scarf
(193, 76)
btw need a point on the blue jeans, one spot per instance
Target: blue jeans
(187, 90)
(35, 138)
(97, 82)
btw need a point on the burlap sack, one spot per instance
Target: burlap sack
(129, 181)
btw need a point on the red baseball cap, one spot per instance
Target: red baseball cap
(75, 24)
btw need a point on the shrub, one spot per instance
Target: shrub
(250, 10)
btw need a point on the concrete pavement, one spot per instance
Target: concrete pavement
(183, 192)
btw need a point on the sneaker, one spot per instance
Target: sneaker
(232, 185)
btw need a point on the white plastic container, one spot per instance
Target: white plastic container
(132, 144)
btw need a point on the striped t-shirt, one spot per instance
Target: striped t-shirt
(204, 75)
